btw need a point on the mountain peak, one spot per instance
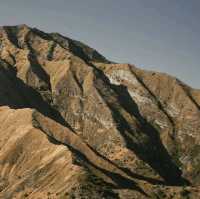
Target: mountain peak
(20, 32)
(75, 125)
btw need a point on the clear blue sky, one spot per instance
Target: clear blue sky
(160, 35)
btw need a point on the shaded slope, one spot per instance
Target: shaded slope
(133, 130)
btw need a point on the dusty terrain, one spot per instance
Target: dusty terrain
(76, 125)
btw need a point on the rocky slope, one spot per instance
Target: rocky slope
(75, 125)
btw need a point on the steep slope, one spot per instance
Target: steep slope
(30, 163)
(95, 129)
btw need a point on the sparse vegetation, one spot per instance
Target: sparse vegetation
(86, 128)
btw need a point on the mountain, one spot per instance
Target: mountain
(76, 125)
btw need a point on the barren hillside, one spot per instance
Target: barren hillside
(76, 125)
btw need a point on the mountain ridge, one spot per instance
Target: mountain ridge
(131, 133)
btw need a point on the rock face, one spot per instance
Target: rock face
(75, 125)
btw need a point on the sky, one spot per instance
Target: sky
(160, 35)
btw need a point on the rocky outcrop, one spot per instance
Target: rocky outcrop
(76, 125)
